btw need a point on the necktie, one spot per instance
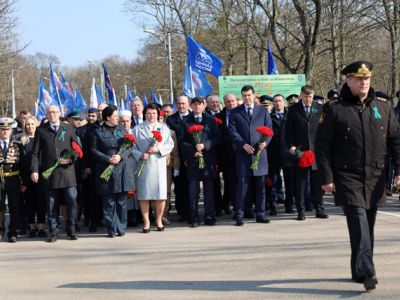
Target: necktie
(4, 149)
(55, 128)
(307, 111)
(249, 112)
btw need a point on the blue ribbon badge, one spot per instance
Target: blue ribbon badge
(376, 113)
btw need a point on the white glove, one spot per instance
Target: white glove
(176, 173)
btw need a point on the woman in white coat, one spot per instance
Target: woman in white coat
(151, 181)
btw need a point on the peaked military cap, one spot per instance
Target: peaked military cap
(292, 98)
(359, 68)
(382, 95)
(266, 100)
(333, 94)
(6, 123)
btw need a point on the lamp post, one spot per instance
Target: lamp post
(13, 91)
(167, 43)
(125, 82)
(94, 64)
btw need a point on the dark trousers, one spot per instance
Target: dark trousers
(274, 173)
(194, 195)
(301, 178)
(35, 204)
(229, 176)
(255, 186)
(181, 192)
(93, 207)
(115, 212)
(218, 199)
(360, 223)
(289, 179)
(53, 197)
(389, 172)
(13, 197)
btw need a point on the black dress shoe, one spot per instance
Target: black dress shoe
(370, 282)
(72, 234)
(321, 215)
(301, 216)
(52, 237)
(195, 224)
(265, 221)
(110, 234)
(210, 221)
(273, 212)
(239, 223)
(160, 228)
(12, 239)
(357, 279)
(121, 233)
(146, 230)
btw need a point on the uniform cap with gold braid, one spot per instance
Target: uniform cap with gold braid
(6, 122)
(358, 69)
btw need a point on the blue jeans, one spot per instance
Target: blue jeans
(52, 200)
(115, 212)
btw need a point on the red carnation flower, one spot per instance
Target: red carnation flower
(306, 159)
(264, 130)
(162, 113)
(268, 182)
(77, 149)
(157, 135)
(130, 137)
(195, 128)
(132, 193)
(218, 121)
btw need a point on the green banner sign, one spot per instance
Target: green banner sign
(263, 84)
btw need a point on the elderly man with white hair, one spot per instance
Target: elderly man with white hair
(137, 111)
(125, 119)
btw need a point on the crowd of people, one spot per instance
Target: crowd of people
(117, 168)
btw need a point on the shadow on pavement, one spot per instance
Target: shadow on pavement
(224, 286)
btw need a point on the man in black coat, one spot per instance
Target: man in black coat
(300, 132)
(354, 136)
(50, 143)
(226, 155)
(275, 155)
(192, 151)
(177, 123)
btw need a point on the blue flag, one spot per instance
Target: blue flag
(272, 68)
(154, 98)
(76, 104)
(100, 96)
(110, 90)
(57, 90)
(203, 59)
(195, 83)
(65, 84)
(128, 99)
(44, 97)
(38, 112)
(145, 102)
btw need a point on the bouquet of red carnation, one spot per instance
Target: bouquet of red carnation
(218, 121)
(306, 158)
(196, 131)
(268, 182)
(157, 138)
(264, 132)
(132, 193)
(75, 152)
(129, 141)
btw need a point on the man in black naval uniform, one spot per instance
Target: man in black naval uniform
(10, 183)
(353, 137)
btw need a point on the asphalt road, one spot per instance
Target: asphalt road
(285, 259)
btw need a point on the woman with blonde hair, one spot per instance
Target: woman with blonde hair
(35, 203)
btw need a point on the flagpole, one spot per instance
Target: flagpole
(191, 80)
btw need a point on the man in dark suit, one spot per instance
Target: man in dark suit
(137, 111)
(50, 143)
(243, 122)
(176, 122)
(300, 133)
(275, 155)
(226, 155)
(192, 151)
